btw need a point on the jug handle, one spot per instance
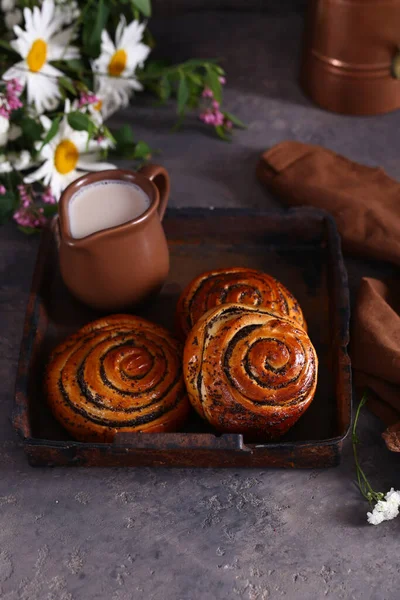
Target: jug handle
(159, 176)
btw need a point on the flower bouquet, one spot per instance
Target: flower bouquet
(67, 66)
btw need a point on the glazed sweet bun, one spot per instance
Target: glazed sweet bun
(234, 285)
(118, 374)
(248, 371)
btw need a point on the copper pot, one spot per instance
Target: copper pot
(349, 48)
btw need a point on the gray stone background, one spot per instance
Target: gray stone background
(190, 534)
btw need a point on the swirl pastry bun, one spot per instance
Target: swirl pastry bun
(234, 285)
(119, 373)
(248, 371)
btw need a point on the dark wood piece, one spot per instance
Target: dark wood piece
(301, 248)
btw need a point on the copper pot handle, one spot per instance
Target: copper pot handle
(159, 176)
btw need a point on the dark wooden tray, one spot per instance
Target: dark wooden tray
(301, 248)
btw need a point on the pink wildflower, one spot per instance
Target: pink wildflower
(218, 118)
(207, 93)
(24, 194)
(215, 117)
(87, 98)
(212, 114)
(14, 87)
(4, 107)
(29, 218)
(14, 103)
(28, 215)
(2, 190)
(100, 138)
(47, 197)
(10, 101)
(207, 117)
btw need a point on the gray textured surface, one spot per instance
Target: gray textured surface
(190, 534)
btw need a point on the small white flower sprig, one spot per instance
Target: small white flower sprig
(386, 505)
(65, 67)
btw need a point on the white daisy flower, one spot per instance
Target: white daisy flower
(94, 111)
(108, 104)
(21, 161)
(386, 509)
(68, 10)
(14, 132)
(7, 5)
(115, 68)
(5, 165)
(12, 18)
(4, 127)
(39, 43)
(67, 156)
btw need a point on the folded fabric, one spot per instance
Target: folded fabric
(375, 351)
(364, 201)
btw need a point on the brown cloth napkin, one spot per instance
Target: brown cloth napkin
(365, 203)
(376, 351)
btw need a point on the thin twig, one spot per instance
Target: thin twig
(365, 487)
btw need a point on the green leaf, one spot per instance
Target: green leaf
(79, 121)
(142, 151)
(91, 132)
(235, 120)
(213, 82)
(92, 30)
(108, 134)
(156, 65)
(49, 210)
(7, 206)
(144, 6)
(183, 94)
(51, 132)
(31, 129)
(221, 133)
(165, 88)
(67, 84)
(125, 143)
(197, 80)
(124, 136)
(74, 65)
(28, 230)
(6, 46)
(154, 69)
(199, 62)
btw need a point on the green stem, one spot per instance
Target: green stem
(365, 488)
(139, 76)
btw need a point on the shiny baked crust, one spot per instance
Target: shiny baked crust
(119, 373)
(248, 371)
(234, 285)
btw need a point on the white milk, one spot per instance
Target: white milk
(105, 204)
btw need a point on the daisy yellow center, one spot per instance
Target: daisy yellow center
(37, 55)
(117, 63)
(98, 105)
(65, 157)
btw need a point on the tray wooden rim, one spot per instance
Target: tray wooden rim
(20, 419)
